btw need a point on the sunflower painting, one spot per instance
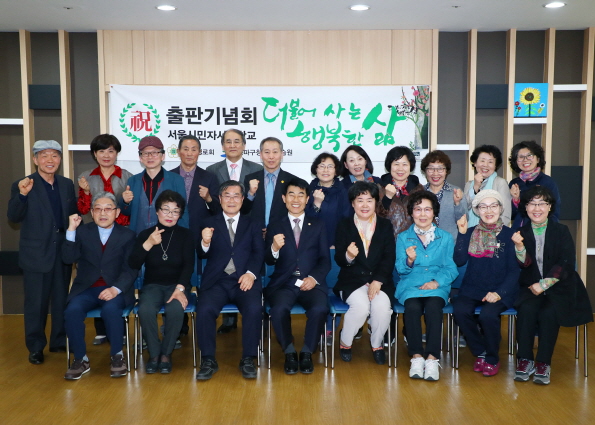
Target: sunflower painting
(530, 100)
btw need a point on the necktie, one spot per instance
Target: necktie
(268, 196)
(230, 268)
(234, 174)
(296, 231)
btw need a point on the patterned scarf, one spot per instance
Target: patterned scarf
(367, 177)
(401, 191)
(530, 175)
(483, 240)
(365, 230)
(429, 234)
(539, 229)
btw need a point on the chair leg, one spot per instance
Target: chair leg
(449, 339)
(456, 348)
(126, 324)
(67, 354)
(136, 341)
(585, 349)
(324, 346)
(442, 337)
(333, 342)
(389, 347)
(396, 338)
(576, 342)
(269, 348)
(193, 320)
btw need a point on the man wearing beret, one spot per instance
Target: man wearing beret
(42, 203)
(138, 200)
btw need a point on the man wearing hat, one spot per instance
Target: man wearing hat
(138, 200)
(42, 203)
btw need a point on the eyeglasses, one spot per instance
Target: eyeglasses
(492, 207)
(173, 213)
(231, 197)
(326, 167)
(521, 158)
(419, 210)
(438, 170)
(151, 153)
(537, 205)
(108, 210)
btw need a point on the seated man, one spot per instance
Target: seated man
(104, 280)
(298, 248)
(233, 246)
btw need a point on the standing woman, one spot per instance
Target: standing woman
(491, 280)
(426, 267)
(358, 166)
(398, 184)
(167, 251)
(329, 200)
(528, 160)
(365, 251)
(551, 293)
(436, 167)
(107, 177)
(486, 160)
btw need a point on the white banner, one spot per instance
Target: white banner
(309, 120)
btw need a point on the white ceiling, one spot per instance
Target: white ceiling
(485, 15)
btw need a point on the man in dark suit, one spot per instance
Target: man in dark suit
(266, 187)
(298, 248)
(233, 246)
(233, 167)
(104, 280)
(42, 202)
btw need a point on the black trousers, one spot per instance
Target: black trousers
(487, 342)
(314, 301)
(152, 298)
(431, 308)
(41, 289)
(208, 307)
(537, 313)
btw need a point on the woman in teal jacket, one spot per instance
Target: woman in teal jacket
(426, 267)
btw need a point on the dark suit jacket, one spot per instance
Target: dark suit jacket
(256, 207)
(247, 250)
(378, 265)
(568, 295)
(37, 251)
(222, 173)
(197, 207)
(312, 257)
(93, 263)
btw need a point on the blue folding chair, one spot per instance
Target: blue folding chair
(96, 313)
(190, 309)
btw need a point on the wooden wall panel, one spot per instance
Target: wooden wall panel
(423, 56)
(118, 57)
(138, 56)
(403, 56)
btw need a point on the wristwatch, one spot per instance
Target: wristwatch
(181, 289)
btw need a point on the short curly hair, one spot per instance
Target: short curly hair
(359, 188)
(397, 153)
(436, 156)
(418, 196)
(490, 150)
(322, 157)
(533, 147)
(537, 192)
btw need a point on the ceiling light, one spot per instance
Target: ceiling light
(166, 7)
(554, 5)
(359, 7)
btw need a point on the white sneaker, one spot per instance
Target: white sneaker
(432, 370)
(417, 368)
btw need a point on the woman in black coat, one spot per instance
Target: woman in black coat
(365, 250)
(551, 291)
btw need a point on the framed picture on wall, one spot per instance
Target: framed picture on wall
(530, 100)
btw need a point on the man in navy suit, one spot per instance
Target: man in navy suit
(234, 248)
(42, 203)
(298, 248)
(233, 167)
(265, 188)
(104, 280)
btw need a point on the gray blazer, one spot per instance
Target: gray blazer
(449, 213)
(220, 170)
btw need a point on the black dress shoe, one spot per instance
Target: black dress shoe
(58, 349)
(36, 357)
(152, 365)
(207, 368)
(291, 363)
(379, 356)
(345, 354)
(247, 367)
(224, 329)
(306, 365)
(165, 366)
